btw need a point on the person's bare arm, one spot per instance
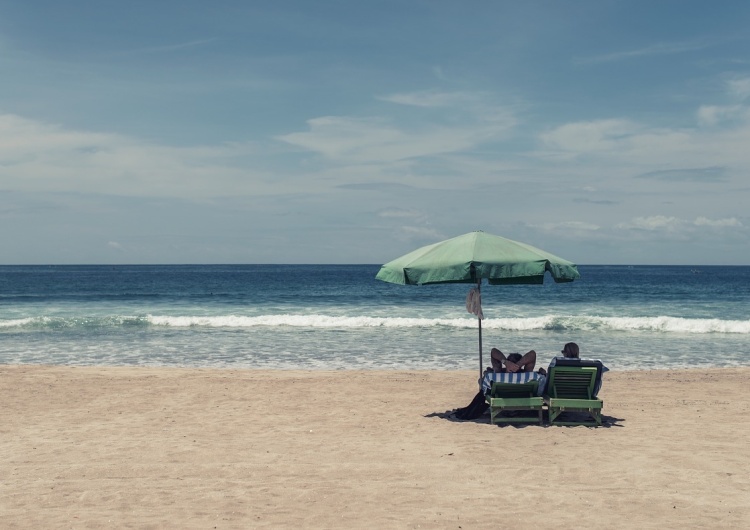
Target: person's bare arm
(528, 361)
(525, 363)
(498, 358)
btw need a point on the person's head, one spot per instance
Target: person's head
(514, 357)
(570, 350)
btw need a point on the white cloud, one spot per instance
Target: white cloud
(654, 223)
(473, 120)
(710, 115)
(591, 136)
(661, 223)
(418, 233)
(568, 226)
(338, 137)
(434, 98)
(37, 156)
(399, 213)
(379, 140)
(623, 147)
(739, 87)
(730, 222)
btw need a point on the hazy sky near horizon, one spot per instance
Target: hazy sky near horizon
(353, 132)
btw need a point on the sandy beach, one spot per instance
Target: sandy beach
(195, 448)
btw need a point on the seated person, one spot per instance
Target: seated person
(519, 369)
(569, 351)
(514, 362)
(571, 358)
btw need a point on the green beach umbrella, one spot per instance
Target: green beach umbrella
(475, 256)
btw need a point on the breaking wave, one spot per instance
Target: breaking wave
(664, 324)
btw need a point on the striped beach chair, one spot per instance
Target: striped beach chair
(514, 398)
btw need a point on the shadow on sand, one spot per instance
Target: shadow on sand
(607, 421)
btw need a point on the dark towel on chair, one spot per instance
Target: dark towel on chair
(475, 409)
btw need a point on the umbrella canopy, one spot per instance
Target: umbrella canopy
(475, 256)
(471, 257)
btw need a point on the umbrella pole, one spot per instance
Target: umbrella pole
(479, 320)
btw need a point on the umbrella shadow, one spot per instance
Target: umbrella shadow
(450, 415)
(607, 421)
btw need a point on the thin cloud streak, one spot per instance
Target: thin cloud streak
(661, 48)
(704, 174)
(376, 140)
(169, 48)
(383, 139)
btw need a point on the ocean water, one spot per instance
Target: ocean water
(340, 317)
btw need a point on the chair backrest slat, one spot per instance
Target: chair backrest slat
(571, 382)
(507, 390)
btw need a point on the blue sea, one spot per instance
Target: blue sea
(340, 317)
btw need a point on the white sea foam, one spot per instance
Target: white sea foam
(17, 322)
(307, 321)
(659, 324)
(549, 322)
(674, 324)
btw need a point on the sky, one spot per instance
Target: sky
(605, 132)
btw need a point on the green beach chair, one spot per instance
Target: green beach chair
(571, 389)
(515, 397)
